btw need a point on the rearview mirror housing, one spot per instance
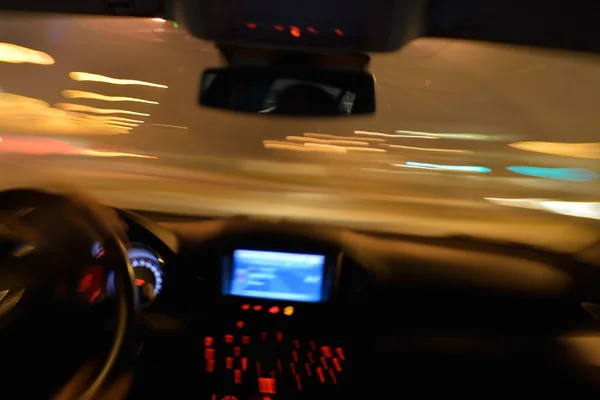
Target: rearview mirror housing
(279, 90)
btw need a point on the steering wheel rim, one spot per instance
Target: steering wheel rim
(107, 226)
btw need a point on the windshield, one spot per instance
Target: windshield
(467, 138)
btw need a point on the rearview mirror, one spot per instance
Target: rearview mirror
(285, 91)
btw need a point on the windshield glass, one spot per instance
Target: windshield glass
(467, 138)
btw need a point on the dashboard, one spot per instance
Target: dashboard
(256, 309)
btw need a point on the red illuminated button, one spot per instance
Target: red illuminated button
(208, 341)
(321, 374)
(326, 351)
(229, 362)
(210, 365)
(228, 338)
(308, 371)
(245, 307)
(236, 351)
(257, 308)
(296, 344)
(279, 337)
(239, 324)
(311, 358)
(266, 385)
(336, 364)
(295, 355)
(258, 369)
(244, 364)
(324, 362)
(274, 310)
(237, 376)
(229, 397)
(246, 339)
(293, 368)
(333, 377)
(298, 382)
(209, 354)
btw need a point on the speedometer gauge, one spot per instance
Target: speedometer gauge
(148, 268)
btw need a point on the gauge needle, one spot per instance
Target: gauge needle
(139, 282)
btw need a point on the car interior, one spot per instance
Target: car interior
(245, 307)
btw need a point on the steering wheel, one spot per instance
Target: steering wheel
(51, 287)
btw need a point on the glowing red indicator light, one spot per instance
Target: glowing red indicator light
(250, 25)
(139, 282)
(245, 307)
(278, 28)
(257, 308)
(85, 283)
(295, 31)
(95, 295)
(311, 29)
(274, 310)
(338, 32)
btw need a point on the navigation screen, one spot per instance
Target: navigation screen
(278, 276)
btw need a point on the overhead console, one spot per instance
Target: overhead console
(363, 26)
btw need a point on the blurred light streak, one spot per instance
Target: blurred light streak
(397, 146)
(326, 136)
(85, 76)
(578, 150)
(457, 136)
(326, 141)
(29, 115)
(170, 126)
(391, 135)
(159, 20)
(82, 108)
(115, 119)
(110, 153)
(80, 94)
(459, 168)
(271, 144)
(347, 148)
(11, 53)
(580, 209)
(562, 174)
(44, 146)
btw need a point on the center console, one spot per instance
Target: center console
(276, 338)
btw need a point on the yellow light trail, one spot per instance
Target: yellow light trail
(11, 53)
(326, 141)
(335, 137)
(397, 146)
(578, 150)
(86, 76)
(95, 110)
(80, 94)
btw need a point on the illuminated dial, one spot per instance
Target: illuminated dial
(148, 269)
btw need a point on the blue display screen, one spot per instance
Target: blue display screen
(277, 276)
